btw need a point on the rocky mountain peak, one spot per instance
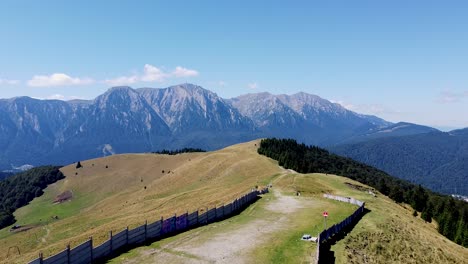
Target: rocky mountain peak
(184, 115)
(121, 97)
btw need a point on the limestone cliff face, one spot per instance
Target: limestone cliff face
(148, 119)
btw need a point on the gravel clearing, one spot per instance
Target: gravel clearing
(231, 246)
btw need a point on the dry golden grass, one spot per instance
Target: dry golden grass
(389, 233)
(115, 197)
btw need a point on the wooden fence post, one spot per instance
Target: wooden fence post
(110, 240)
(68, 253)
(198, 213)
(146, 225)
(41, 257)
(126, 236)
(318, 249)
(91, 246)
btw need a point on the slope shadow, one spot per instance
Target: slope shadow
(326, 254)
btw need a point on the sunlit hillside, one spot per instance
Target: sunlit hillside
(125, 190)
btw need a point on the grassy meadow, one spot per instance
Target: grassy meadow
(125, 190)
(112, 198)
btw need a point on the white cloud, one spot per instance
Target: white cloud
(222, 83)
(63, 97)
(152, 74)
(122, 80)
(368, 109)
(253, 85)
(59, 97)
(449, 96)
(8, 82)
(184, 72)
(344, 104)
(57, 79)
(56, 97)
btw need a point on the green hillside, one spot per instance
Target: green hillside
(438, 160)
(451, 214)
(18, 190)
(125, 190)
(270, 230)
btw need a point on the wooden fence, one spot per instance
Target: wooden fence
(127, 239)
(335, 229)
(344, 199)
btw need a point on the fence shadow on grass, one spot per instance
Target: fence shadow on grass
(146, 234)
(327, 256)
(150, 241)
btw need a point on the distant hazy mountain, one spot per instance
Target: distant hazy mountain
(138, 120)
(398, 129)
(437, 160)
(305, 117)
(120, 120)
(198, 117)
(30, 129)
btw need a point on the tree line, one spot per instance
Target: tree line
(427, 159)
(178, 151)
(19, 189)
(4, 175)
(450, 214)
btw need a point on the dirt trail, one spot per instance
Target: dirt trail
(44, 239)
(224, 246)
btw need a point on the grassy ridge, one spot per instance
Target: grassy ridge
(111, 198)
(115, 197)
(451, 214)
(274, 246)
(374, 239)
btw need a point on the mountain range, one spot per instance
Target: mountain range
(123, 120)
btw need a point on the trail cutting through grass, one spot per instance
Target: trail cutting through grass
(233, 246)
(229, 242)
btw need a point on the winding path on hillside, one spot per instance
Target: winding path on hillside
(220, 245)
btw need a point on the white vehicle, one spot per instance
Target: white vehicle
(307, 237)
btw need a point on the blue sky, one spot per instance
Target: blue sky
(400, 60)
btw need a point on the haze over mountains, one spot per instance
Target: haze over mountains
(126, 120)
(438, 160)
(142, 120)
